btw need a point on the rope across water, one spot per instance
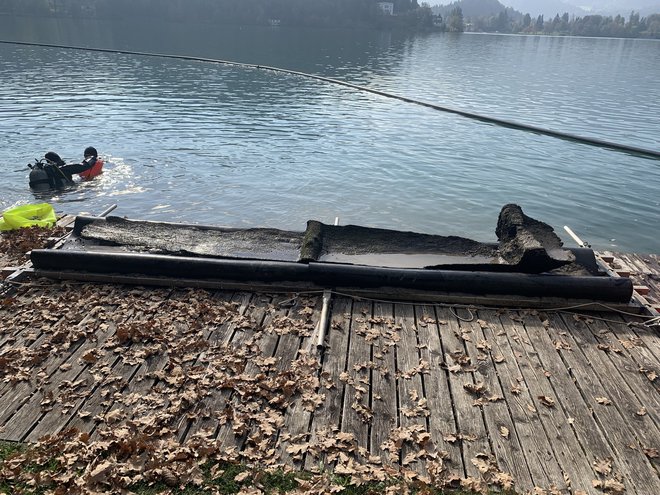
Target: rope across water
(635, 150)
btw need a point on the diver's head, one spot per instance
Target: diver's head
(90, 152)
(53, 157)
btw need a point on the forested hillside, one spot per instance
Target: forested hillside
(463, 15)
(321, 13)
(492, 16)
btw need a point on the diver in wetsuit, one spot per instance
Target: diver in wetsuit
(55, 173)
(92, 164)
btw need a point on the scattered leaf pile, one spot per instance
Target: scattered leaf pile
(167, 388)
(14, 244)
(160, 387)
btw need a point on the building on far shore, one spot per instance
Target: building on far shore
(387, 7)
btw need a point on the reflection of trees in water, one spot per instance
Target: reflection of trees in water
(323, 13)
(335, 53)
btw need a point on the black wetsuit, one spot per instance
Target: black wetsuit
(51, 176)
(76, 168)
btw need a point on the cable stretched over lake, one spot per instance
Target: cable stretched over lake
(634, 150)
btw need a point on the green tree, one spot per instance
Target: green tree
(652, 26)
(634, 26)
(502, 23)
(539, 23)
(455, 23)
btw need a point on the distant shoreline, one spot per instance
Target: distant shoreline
(385, 26)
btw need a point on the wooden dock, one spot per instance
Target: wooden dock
(545, 400)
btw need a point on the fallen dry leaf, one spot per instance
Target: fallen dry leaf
(504, 480)
(100, 472)
(613, 486)
(603, 466)
(603, 400)
(475, 388)
(652, 375)
(481, 463)
(546, 401)
(504, 431)
(240, 477)
(449, 437)
(651, 453)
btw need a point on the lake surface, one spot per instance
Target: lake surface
(217, 144)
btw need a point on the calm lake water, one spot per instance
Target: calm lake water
(215, 144)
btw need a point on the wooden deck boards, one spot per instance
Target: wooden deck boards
(552, 398)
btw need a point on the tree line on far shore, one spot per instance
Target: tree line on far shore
(312, 13)
(510, 21)
(409, 14)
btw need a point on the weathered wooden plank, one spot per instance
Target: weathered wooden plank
(631, 356)
(506, 446)
(26, 340)
(629, 390)
(250, 307)
(626, 265)
(42, 412)
(568, 425)
(231, 333)
(596, 384)
(327, 419)
(639, 264)
(66, 220)
(182, 343)
(570, 395)
(644, 275)
(163, 392)
(303, 353)
(49, 346)
(73, 311)
(536, 447)
(441, 421)
(471, 427)
(13, 317)
(356, 408)
(253, 309)
(413, 405)
(53, 306)
(384, 400)
(100, 362)
(652, 261)
(115, 368)
(141, 346)
(234, 432)
(649, 336)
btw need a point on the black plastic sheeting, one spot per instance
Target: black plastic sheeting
(331, 275)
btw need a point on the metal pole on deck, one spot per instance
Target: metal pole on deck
(323, 322)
